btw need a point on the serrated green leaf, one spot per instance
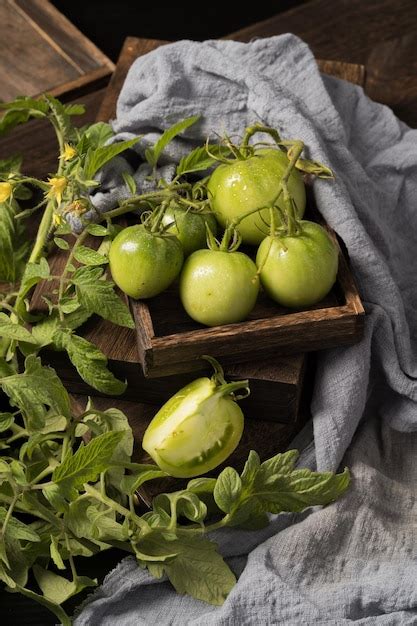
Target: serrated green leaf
(17, 529)
(90, 362)
(20, 111)
(228, 489)
(14, 243)
(152, 154)
(197, 569)
(14, 331)
(61, 243)
(98, 157)
(140, 475)
(55, 554)
(113, 420)
(87, 463)
(58, 589)
(97, 230)
(51, 606)
(250, 469)
(98, 296)
(87, 256)
(280, 463)
(6, 369)
(33, 274)
(11, 164)
(6, 420)
(74, 109)
(35, 391)
(95, 136)
(129, 182)
(201, 485)
(199, 160)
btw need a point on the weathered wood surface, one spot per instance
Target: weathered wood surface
(40, 50)
(381, 35)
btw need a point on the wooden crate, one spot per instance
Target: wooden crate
(170, 342)
(41, 51)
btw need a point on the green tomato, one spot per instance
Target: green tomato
(142, 263)
(218, 287)
(298, 271)
(196, 430)
(189, 227)
(243, 185)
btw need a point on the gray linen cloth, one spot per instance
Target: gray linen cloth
(356, 560)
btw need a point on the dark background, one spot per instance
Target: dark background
(108, 22)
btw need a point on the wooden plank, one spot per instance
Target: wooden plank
(275, 383)
(381, 35)
(41, 50)
(342, 30)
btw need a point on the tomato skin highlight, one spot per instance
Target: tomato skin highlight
(189, 227)
(143, 264)
(298, 271)
(195, 431)
(218, 287)
(241, 186)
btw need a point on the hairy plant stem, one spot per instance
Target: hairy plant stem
(8, 516)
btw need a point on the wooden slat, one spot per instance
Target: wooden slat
(341, 30)
(41, 50)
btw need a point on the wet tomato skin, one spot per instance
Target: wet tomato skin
(298, 271)
(218, 287)
(243, 185)
(189, 227)
(143, 264)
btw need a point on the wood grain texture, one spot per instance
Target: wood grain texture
(381, 35)
(340, 30)
(40, 50)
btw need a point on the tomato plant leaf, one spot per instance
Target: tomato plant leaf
(98, 296)
(98, 157)
(88, 461)
(152, 154)
(139, 476)
(228, 489)
(90, 362)
(88, 256)
(61, 243)
(197, 569)
(14, 331)
(129, 182)
(199, 159)
(35, 391)
(17, 529)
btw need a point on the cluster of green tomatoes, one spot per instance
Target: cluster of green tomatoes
(257, 198)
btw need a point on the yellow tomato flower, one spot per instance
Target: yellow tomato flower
(69, 152)
(5, 191)
(57, 219)
(57, 187)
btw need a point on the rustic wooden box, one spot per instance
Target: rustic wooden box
(170, 342)
(42, 51)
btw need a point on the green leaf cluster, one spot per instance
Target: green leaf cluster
(67, 489)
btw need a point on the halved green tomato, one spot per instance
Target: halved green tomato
(196, 430)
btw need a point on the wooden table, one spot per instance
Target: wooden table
(379, 34)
